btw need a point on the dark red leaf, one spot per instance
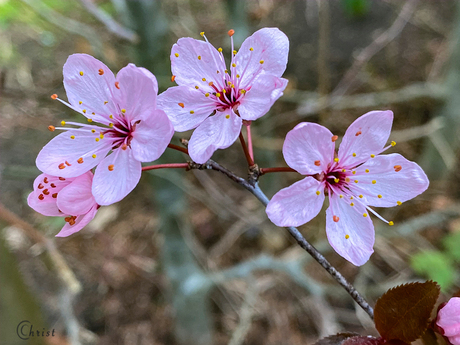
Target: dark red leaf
(337, 339)
(360, 340)
(403, 312)
(429, 337)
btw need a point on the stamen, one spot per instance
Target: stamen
(364, 215)
(358, 133)
(101, 71)
(123, 111)
(54, 195)
(61, 179)
(335, 218)
(46, 191)
(231, 32)
(111, 167)
(227, 116)
(72, 137)
(393, 143)
(318, 192)
(336, 180)
(80, 160)
(94, 156)
(334, 138)
(192, 112)
(51, 128)
(251, 49)
(41, 197)
(81, 73)
(199, 57)
(197, 87)
(40, 186)
(372, 156)
(124, 147)
(54, 96)
(261, 62)
(347, 236)
(61, 166)
(202, 33)
(176, 54)
(374, 181)
(62, 123)
(317, 163)
(354, 154)
(173, 78)
(367, 170)
(181, 105)
(336, 160)
(117, 85)
(399, 203)
(397, 168)
(391, 223)
(67, 163)
(379, 196)
(352, 204)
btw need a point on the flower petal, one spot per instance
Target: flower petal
(80, 222)
(259, 99)
(296, 204)
(110, 186)
(449, 319)
(63, 148)
(352, 236)
(308, 148)
(193, 60)
(269, 46)
(76, 198)
(396, 179)
(178, 101)
(151, 137)
(84, 83)
(216, 132)
(136, 92)
(367, 135)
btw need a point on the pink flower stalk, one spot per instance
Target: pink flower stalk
(354, 178)
(448, 320)
(244, 91)
(65, 197)
(131, 129)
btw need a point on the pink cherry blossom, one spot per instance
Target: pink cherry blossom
(130, 128)
(244, 91)
(354, 179)
(449, 320)
(65, 197)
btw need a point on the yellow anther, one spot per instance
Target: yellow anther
(197, 87)
(97, 139)
(110, 124)
(220, 50)
(354, 154)
(341, 196)
(360, 195)
(344, 170)
(81, 72)
(94, 156)
(243, 91)
(224, 91)
(227, 116)
(192, 112)
(237, 75)
(318, 192)
(356, 181)
(105, 102)
(80, 102)
(352, 204)
(101, 136)
(367, 170)
(261, 62)
(374, 181)
(353, 172)
(251, 49)
(399, 203)
(379, 196)
(234, 52)
(202, 33)
(226, 71)
(336, 160)
(390, 223)
(111, 116)
(204, 79)
(62, 123)
(207, 94)
(351, 198)
(199, 57)
(347, 236)
(93, 131)
(233, 64)
(72, 137)
(347, 179)
(123, 111)
(217, 94)
(90, 120)
(336, 180)
(176, 54)
(84, 111)
(393, 143)
(372, 155)
(364, 215)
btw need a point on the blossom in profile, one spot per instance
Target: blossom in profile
(124, 127)
(245, 90)
(65, 197)
(448, 320)
(354, 178)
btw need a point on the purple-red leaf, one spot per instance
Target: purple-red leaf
(337, 339)
(360, 340)
(403, 312)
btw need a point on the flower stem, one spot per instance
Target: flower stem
(246, 151)
(166, 166)
(249, 135)
(178, 148)
(277, 169)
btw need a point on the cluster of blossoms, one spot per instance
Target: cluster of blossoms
(129, 124)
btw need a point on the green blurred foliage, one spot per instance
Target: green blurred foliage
(356, 8)
(452, 245)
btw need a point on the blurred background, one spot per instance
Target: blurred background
(190, 257)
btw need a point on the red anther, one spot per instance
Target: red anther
(41, 197)
(46, 191)
(62, 178)
(53, 185)
(334, 138)
(54, 96)
(317, 163)
(335, 218)
(111, 167)
(173, 78)
(45, 180)
(101, 71)
(124, 147)
(72, 221)
(397, 168)
(358, 133)
(40, 186)
(54, 195)
(67, 219)
(231, 32)
(51, 128)
(181, 105)
(61, 166)
(67, 163)
(80, 160)
(117, 85)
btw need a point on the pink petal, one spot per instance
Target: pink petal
(91, 88)
(269, 45)
(41, 199)
(296, 204)
(259, 99)
(449, 320)
(112, 186)
(308, 145)
(391, 185)
(76, 198)
(80, 222)
(366, 135)
(137, 92)
(196, 60)
(63, 149)
(358, 247)
(216, 132)
(151, 137)
(172, 100)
